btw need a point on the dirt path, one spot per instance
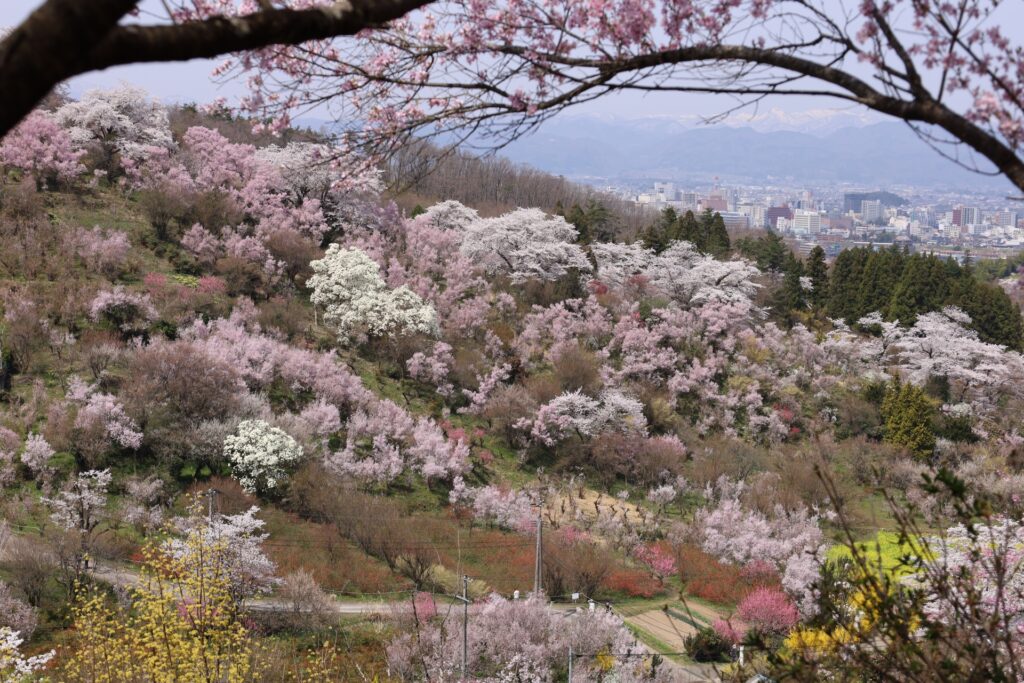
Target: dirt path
(664, 627)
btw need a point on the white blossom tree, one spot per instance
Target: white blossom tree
(80, 508)
(450, 215)
(240, 537)
(357, 301)
(122, 120)
(260, 455)
(525, 244)
(575, 412)
(680, 272)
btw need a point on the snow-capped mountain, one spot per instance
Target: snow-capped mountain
(821, 121)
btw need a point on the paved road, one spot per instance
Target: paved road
(120, 575)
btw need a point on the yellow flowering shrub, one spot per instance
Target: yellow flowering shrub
(182, 627)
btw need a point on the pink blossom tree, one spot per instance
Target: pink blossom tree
(768, 610)
(42, 149)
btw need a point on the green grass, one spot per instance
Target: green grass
(884, 550)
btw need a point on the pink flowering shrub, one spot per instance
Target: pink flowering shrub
(384, 442)
(768, 610)
(433, 368)
(36, 454)
(424, 607)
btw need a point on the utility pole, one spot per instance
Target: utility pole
(569, 679)
(211, 493)
(465, 623)
(537, 566)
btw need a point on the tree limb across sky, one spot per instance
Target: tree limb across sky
(65, 38)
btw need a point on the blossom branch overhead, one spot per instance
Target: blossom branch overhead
(490, 72)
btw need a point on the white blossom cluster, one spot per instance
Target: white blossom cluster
(240, 538)
(125, 115)
(260, 455)
(525, 244)
(83, 501)
(587, 416)
(14, 666)
(449, 215)
(681, 272)
(348, 284)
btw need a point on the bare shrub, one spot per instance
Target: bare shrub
(30, 565)
(308, 605)
(578, 370)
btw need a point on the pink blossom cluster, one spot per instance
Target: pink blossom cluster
(103, 411)
(433, 368)
(791, 541)
(384, 442)
(103, 250)
(41, 148)
(130, 312)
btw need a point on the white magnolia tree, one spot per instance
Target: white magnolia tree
(348, 285)
(260, 455)
(525, 244)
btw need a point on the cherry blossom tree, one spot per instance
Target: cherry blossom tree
(80, 508)
(450, 215)
(357, 301)
(36, 455)
(500, 69)
(681, 272)
(42, 149)
(434, 368)
(525, 244)
(241, 558)
(383, 442)
(575, 412)
(101, 249)
(521, 640)
(81, 39)
(941, 344)
(791, 541)
(127, 311)
(122, 120)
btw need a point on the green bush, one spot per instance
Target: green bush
(707, 646)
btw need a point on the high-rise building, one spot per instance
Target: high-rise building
(1005, 218)
(806, 222)
(774, 213)
(966, 215)
(734, 220)
(871, 210)
(756, 212)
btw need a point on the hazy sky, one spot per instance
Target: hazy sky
(190, 81)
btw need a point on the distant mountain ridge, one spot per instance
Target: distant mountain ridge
(672, 148)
